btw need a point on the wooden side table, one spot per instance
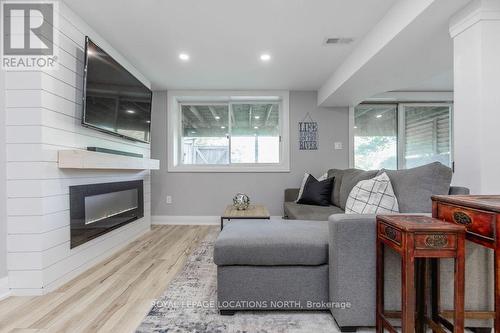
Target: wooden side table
(258, 212)
(417, 238)
(480, 214)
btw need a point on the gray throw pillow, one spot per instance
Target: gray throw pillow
(414, 187)
(337, 174)
(350, 177)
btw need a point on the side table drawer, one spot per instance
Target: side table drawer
(476, 221)
(390, 233)
(434, 241)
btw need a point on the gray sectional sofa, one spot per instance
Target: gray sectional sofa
(322, 259)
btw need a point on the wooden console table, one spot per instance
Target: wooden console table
(257, 212)
(480, 214)
(417, 238)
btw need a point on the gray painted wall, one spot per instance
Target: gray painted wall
(206, 194)
(3, 183)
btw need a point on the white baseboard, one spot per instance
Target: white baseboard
(4, 288)
(190, 220)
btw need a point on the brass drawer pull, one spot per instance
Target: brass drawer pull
(462, 218)
(390, 233)
(436, 241)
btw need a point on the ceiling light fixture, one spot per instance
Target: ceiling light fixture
(265, 57)
(256, 127)
(257, 117)
(131, 111)
(379, 116)
(222, 127)
(217, 117)
(184, 56)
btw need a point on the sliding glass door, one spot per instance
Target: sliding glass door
(427, 134)
(401, 136)
(375, 136)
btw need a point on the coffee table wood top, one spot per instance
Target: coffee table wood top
(253, 212)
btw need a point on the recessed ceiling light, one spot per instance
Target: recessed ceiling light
(184, 56)
(256, 127)
(379, 116)
(193, 132)
(148, 121)
(257, 117)
(222, 127)
(131, 111)
(265, 57)
(217, 117)
(355, 127)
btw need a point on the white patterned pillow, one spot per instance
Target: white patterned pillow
(372, 196)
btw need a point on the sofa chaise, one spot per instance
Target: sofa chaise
(322, 259)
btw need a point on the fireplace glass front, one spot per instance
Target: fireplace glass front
(99, 208)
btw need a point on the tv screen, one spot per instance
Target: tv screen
(115, 101)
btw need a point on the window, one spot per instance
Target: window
(205, 134)
(232, 133)
(400, 136)
(375, 137)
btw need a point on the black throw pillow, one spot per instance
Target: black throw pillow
(316, 192)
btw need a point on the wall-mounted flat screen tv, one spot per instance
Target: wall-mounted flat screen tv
(114, 101)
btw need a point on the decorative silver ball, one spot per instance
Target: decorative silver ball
(241, 201)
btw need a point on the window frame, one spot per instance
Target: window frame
(400, 129)
(174, 125)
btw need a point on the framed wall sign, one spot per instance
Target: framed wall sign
(308, 133)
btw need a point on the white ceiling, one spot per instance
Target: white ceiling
(226, 37)
(415, 54)
(440, 82)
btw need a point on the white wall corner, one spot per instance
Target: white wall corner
(4, 288)
(476, 11)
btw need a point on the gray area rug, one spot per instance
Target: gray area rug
(189, 305)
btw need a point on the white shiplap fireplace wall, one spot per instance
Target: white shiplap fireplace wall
(43, 111)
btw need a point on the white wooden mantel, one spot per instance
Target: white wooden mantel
(84, 159)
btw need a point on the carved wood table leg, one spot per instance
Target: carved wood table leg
(380, 287)
(497, 285)
(459, 287)
(408, 291)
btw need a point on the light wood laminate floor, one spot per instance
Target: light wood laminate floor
(114, 295)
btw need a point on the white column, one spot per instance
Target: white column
(476, 41)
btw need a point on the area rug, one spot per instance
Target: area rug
(189, 305)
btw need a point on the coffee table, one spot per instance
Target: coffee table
(258, 212)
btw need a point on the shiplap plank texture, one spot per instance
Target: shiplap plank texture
(43, 115)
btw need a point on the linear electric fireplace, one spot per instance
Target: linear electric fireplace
(96, 209)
